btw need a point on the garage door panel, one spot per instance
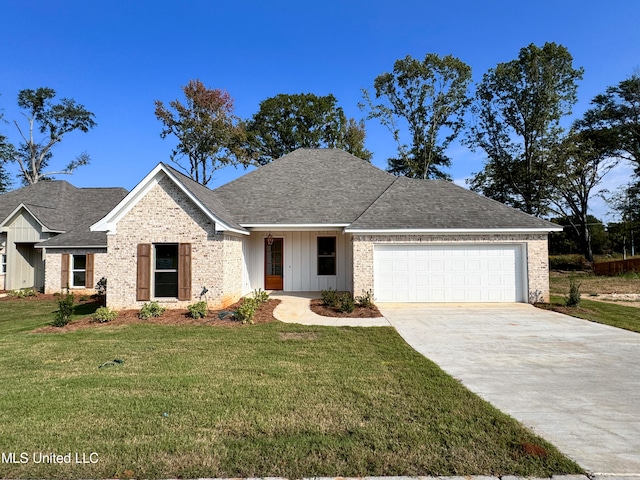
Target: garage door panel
(448, 273)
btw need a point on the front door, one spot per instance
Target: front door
(273, 264)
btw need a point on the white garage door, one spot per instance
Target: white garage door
(446, 273)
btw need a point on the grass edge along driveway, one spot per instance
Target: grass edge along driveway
(254, 401)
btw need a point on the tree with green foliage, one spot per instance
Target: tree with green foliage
(5, 156)
(578, 167)
(617, 113)
(54, 121)
(430, 97)
(209, 135)
(286, 122)
(517, 109)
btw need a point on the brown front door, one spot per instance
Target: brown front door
(273, 264)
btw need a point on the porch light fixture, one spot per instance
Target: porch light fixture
(269, 239)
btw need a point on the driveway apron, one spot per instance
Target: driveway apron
(573, 382)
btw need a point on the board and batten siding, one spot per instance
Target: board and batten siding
(300, 261)
(25, 265)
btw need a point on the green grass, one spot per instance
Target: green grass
(264, 400)
(611, 314)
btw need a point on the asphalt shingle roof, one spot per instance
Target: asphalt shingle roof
(61, 207)
(438, 204)
(307, 186)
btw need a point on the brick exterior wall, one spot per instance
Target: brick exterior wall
(535, 251)
(166, 215)
(53, 265)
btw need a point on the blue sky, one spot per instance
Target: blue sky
(117, 57)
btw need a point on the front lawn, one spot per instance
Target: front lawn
(257, 400)
(607, 313)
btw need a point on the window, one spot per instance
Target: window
(326, 255)
(79, 271)
(4, 264)
(165, 272)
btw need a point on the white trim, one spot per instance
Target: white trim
(44, 247)
(16, 211)
(452, 231)
(110, 221)
(290, 227)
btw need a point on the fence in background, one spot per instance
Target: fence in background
(617, 267)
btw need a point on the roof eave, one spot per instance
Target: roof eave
(289, 227)
(450, 231)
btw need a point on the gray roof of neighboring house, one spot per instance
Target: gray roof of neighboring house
(61, 207)
(306, 186)
(438, 204)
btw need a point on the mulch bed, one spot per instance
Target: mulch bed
(318, 307)
(264, 314)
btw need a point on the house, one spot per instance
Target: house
(44, 228)
(311, 220)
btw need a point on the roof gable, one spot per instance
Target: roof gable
(202, 197)
(306, 186)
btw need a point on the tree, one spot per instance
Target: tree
(617, 112)
(579, 165)
(5, 156)
(54, 120)
(209, 135)
(518, 108)
(286, 122)
(430, 96)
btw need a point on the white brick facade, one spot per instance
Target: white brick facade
(167, 215)
(536, 253)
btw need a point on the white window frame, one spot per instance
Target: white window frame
(334, 255)
(3, 267)
(156, 270)
(73, 270)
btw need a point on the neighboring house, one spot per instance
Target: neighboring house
(311, 220)
(317, 219)
(44, 228)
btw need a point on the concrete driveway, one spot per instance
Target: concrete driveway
(573, 382)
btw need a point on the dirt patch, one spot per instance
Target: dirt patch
(298, 335)
(359, 312)
(216, 318)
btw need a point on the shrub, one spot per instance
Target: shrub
(573, 300)
(151, 309)
(104, 315)
(346, 303)
(247, 310)
(101, 288)
(198, 310)
(365, 300)
(65, 310)
(568, 262)
(23, 293)
(329, 297)
(260, 295)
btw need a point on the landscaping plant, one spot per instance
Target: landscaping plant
(198, 310)
(573, 300)
(65, 310)
(151, 309)
(103, 315)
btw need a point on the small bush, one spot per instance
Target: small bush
(573, 300)
(65, 310)
(247, 310)
(260, 295)
(329, 297)
(151, 309)
(84, 298)
(346, 304)
(104, 315)
(365, 300)
(198, 310)
(23, 293)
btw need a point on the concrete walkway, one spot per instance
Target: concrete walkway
(575, 383)
(294, 308)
